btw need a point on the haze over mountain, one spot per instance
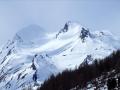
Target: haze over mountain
(52, 14)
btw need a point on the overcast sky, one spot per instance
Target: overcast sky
(52, 15)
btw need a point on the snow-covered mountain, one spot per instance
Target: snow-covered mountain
(33, 54)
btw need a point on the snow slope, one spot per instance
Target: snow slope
(33, 55)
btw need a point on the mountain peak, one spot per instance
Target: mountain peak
(66, 26)
(32, 33)
(69, 30)
(73, 29)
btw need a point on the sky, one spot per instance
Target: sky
(53, 14)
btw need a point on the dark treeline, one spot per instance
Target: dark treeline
(83, 74)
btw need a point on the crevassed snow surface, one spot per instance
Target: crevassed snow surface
(33, 55)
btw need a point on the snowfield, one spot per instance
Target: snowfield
(33, 54)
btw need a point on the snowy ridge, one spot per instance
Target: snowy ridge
(32, 56)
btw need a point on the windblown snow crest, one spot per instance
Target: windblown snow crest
(32, 56)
